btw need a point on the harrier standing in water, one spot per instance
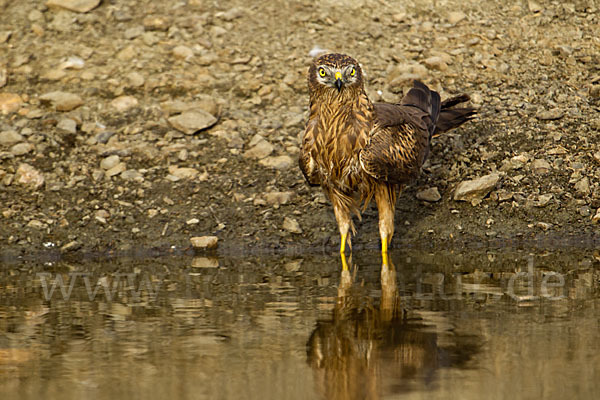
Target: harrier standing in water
(356, 150)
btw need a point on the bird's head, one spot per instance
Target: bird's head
(335, 73)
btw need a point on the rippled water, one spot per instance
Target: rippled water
(433, 325)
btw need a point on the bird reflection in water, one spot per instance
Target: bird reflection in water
(367, 350)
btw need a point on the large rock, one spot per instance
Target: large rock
(476, 189)
(192, 121)
(62, 101)
(80, 6)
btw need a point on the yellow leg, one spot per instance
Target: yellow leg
(344, 262)
(342, 216)
(384, 251)
(343, 243)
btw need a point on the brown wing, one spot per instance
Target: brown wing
(307, 164)
(398, 144)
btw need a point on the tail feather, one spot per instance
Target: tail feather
(452, 101)
(451, 118)
(426, 100)
(441, 116)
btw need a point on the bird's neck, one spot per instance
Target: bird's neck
(338, 107)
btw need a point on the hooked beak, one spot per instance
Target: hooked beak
(338, 81)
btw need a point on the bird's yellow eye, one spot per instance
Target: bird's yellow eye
(353, 72)
(322, 71)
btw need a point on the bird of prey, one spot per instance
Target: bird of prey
(357, 150)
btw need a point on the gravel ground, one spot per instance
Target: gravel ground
(140, 124)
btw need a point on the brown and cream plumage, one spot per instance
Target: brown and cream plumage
(356, 150)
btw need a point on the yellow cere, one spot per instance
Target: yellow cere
(338, 75)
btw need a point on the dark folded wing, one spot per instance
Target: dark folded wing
(398, 145)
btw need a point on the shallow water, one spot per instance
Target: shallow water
(441, 325)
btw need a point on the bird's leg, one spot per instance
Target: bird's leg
(385, 197)
(344, 262)
(344, 222)
(384, 257)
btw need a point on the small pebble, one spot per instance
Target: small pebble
(110, 162)
(67, 125)
(204, 242)
(291, 225)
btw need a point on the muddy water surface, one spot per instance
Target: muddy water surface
(491, 325)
